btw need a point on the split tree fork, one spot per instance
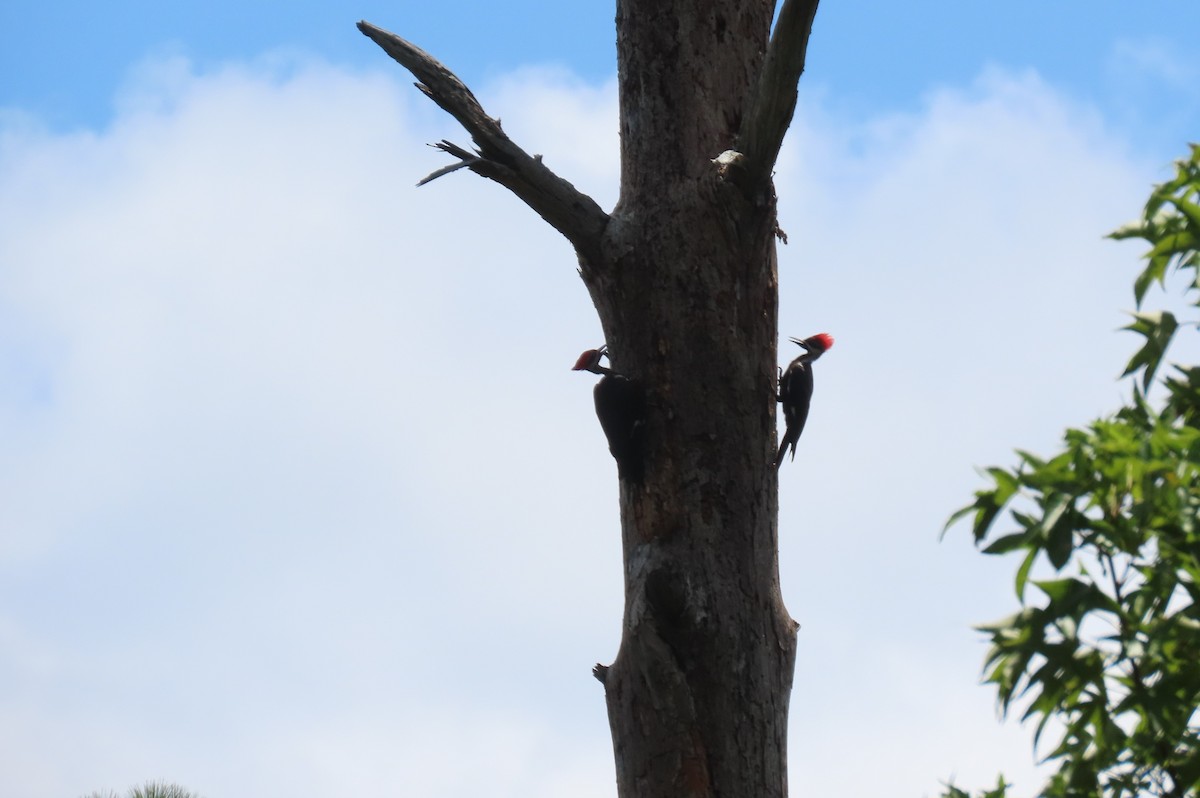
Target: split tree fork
(683, 274)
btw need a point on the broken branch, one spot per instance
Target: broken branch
(571, 212)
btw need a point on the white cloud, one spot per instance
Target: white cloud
(300, 495)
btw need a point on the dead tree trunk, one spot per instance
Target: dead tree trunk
(683, 275)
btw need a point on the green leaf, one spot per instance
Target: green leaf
(1030, 459)
(1155, 272)
(1058, 536)
(1172, 244)
(957, 516)
(987, 505)
(1189, 209)
(1157, 328)
(986, 510)
(1007, 543)
(1058, 589)
(1137, 229)
(1007, 484)
(1059, 545)
(1023, 573)
(1071, 597)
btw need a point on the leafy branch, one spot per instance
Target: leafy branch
(1109, 650)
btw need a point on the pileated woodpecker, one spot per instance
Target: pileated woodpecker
(795, 390)
(621, 408)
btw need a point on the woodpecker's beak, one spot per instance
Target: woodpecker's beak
(802, 343)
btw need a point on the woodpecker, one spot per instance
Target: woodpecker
(795, 390)
(621, 408)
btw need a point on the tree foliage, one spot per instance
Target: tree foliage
(151, 789)
(1105, 651)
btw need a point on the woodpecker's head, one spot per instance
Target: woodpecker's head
(590, 361)
(815, 345)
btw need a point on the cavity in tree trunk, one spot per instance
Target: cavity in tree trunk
(683, 276)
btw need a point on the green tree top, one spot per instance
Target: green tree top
(1106, 653)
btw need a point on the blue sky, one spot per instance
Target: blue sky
(259, 534)
(65, 60)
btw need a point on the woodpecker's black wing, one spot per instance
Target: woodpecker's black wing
(621, 408)
(795, 395)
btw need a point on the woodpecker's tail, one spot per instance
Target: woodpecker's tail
(783, 447)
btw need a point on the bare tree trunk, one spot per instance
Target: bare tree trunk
(683, 275)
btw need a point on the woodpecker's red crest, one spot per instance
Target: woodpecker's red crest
(589, 360)
(823, 340)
